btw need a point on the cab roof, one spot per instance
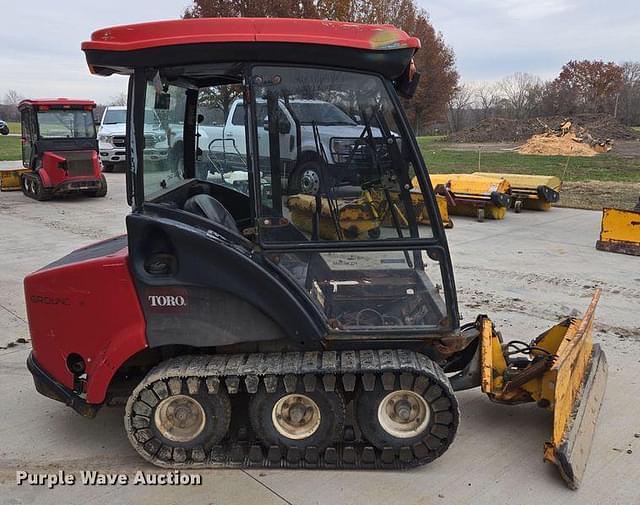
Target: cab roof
(57, 102)
(120, 49)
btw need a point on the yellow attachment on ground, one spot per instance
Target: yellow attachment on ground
(620, 231)
(475, 195)
(533, 192)
(356, 217)
(566, 374)
(10, 178)
(417, 201)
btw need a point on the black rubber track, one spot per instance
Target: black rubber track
(243, 374)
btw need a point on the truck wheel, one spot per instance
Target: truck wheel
(170, 421)
(103, 188)
(301, 419)
(107, 167)
(306, 179)
(4, 130)
(425, 414)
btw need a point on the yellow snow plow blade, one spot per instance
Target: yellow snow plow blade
(566, 374)
(10, 179)
(474, 195)
(620, 231)
(533, 192)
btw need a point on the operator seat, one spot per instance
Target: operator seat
(210, 208)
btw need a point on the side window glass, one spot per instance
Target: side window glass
(222, 145)
(163, 138)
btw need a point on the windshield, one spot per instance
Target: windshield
(321, 113)
(115, 116)
(66, 124)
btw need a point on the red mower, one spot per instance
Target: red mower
(59, 146)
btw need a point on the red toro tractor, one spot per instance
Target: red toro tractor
(59, 146)
(243, 339)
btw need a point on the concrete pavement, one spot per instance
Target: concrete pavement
(525, 272)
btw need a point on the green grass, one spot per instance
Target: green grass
(604, 167)
(636, 128)
(10, 148)
(14, 127)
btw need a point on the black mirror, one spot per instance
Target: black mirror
(162, 101)
(407, 84)
(200, 118)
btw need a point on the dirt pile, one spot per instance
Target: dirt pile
(601, 126)
(552, 145)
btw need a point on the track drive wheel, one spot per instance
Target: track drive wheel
(174, 420)
(299, 419)
(33, 188)
(103, 188)
(422, 415)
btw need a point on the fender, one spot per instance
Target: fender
(85, 304)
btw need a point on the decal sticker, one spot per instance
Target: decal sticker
(167, 300)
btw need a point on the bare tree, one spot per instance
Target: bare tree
(487, 96)
(629, 99)
(13, 97)
(119, 99)
(459, 106)
(517, 90)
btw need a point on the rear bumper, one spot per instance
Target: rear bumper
(49, 387)
(75, 186)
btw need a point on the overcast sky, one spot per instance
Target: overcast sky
(40, 39)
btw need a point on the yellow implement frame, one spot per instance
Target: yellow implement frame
(10, 179)
(533, 192)
(620, 231)
(567, 375)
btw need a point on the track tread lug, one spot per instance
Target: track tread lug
(140, 422)
(421, 384)
(331, 456)
(348, 361)
(329, 361)
(329, 382)
(237, 453)
(142, 409)
(432, 393)
(443, 417)
(255, 454)
(309, 381)
(439, 430)
(160, 389)
(406, 381)
(218, 454)
(406, 455)
(193, 385)
(233, 385)
(293, 455)
(420, 450)
(165, 453)
(311, 362)
(432, 442)
(349, 382)
(290, 383)
(368, 455)
(274, 454)
(270, 383)
(441, 404)
(179, 454)
(388, 381)
(198, 455)
(369, 381)
(388, 455)
(152, 446)
(175, 386)
(148, 397)
(312, 455)
(349, 455)
(213, 385)
(251, 382)
(143, 435)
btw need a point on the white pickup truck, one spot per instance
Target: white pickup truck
(224, 147)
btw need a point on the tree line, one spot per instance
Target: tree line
(581, 87)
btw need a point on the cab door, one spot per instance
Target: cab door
(28, 136)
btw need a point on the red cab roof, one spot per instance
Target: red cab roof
(57, 102)
(220, 30)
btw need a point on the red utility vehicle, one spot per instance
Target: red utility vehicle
(59, 146)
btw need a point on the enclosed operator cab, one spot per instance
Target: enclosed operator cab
(59, 146)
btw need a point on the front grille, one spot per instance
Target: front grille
(78, 162)
(119, 141)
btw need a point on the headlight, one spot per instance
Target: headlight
(341, 149)
(105, 138)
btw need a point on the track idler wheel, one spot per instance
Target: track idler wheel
(407, 414)
(176, 420)
(298, 418)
